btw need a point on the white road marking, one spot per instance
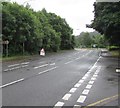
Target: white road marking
(68, 62)
(117, 70)
(81, 81)
(24, 66)
(47, 70)
(13, 65)
(40, 66)
(81, 99)
(85, 92)
(5, 85)
(59, 104)
(25, 63)
(76, 106)
(66, 97)
(88, 72)
(86, 75)
(84, 78)
(52, 64)
(88, 86)
(95, 75)
(42, 62)
(78, 58)
(6, 70)
(73, 90)
(93, 78)
(77, 85)
(91, 82)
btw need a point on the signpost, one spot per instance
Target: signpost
(6, 43)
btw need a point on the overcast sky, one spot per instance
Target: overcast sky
(77, 13)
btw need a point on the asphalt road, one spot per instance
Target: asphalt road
(72, 78)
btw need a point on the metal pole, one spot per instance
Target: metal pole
(7, 50)
(23, 47)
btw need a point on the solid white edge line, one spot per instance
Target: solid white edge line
(5, 85)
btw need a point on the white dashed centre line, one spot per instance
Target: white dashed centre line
(40, 66)
(81, 99)
(68, 62)
(25, 63)
(88, 86)
(85, 91)
(73, 90)
(66, 97)
(13, 65)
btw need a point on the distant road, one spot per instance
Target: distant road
(73, 78)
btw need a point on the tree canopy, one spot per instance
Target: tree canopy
(107, 20)
(28, 30)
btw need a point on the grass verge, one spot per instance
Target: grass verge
(115, 53)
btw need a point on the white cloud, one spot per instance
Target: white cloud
(77, 13)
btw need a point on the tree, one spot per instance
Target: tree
(107, 20)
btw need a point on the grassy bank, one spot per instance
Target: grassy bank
(17, 57)
(115, 53)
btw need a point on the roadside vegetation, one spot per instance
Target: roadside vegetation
(27, 31)
(107, 22)
(90, 40)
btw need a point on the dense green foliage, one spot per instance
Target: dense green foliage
(28, 30)
(90, 39)
(107, 20)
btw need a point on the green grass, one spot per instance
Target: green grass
(20, 57)
(115, 53)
